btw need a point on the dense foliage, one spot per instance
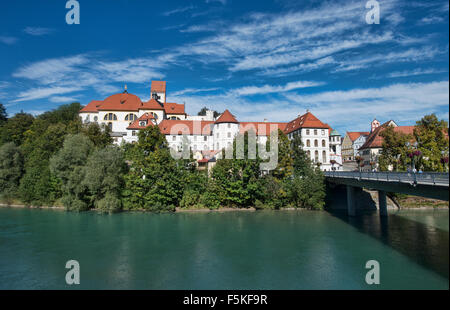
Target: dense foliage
(54, 159)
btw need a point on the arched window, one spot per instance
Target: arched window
(309, 154)
(174, 118)
(131, 117)
(307, 131)
(323, 143)
(316, 156)
(154, 115)
(324, 157)
(316, 143)
(315, 132)
(95, 118)
(308, 144)
(110, 117)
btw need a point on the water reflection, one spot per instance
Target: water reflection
(424, 244)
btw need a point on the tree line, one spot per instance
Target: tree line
(426, 149)
(54, 159)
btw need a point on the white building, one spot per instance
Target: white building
(125, 114)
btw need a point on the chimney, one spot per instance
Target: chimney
(265, 120)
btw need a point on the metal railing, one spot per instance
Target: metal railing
(434, 178)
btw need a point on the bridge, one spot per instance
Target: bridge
(429, 185)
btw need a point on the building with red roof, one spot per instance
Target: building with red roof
(126, 114)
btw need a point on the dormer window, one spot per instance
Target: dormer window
(142, 123)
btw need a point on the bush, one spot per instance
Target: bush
(109, 204)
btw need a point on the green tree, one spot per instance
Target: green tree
(99, 135)
(285, 166)
(153, 182)
(430, 134)
(394, 149)
(11, 165)
(103, 177)
(3, 115)
(239, 179)
(15, 127)
(69, 166)
(203, 110)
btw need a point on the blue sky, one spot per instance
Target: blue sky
(260, 59)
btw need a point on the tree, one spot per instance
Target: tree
(285, 167)
(3, 115)
(68, 165)
(238, 179)
(11, 165)
(15, 127)
(153, 182)
(202, 112)
(394, 149)
(99, 135)
(103, 176)
(430, 134)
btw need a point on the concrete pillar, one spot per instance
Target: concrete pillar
(351, 206)
(382, 205)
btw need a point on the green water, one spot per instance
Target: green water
(231, 250)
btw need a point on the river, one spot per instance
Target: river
(227, 250)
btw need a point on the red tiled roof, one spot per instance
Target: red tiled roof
(174, 108)
(226, 117)
(260, 128)
(121, 102)
(152, 104)
(307, 120)
(147, 117)
(188, 127)
(374, 140)
(91, 106)
(353, 135)
(158, 86)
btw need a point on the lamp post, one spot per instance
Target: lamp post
(413, 154)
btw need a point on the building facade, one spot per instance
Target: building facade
(125, 114)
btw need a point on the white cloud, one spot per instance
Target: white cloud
(414, 72)
(63, 99)
(8, 40)
(267, 89)
(178, 10)
(39, 93)
(193, 91)
(37, 31)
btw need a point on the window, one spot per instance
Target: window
(110, 126)
(95, 118)
(174, 138)
(229, 125)
(154, 115)
(205, 138)
(316, 143)
(316, 156)
(174, 118)
(308, 143)
(309, 154)
(131, 117)
(324, 157)
(307, 131)
(323, 143)
(133, 133)
(315, 132)
(143, 123)
(110, 117)
(229, 135)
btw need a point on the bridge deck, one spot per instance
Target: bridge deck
(426, 178)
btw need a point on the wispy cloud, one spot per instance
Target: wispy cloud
(38, 31)
(414, 72)
(193, 91)
(220, 1)
(39, 93)
(267, 89)
(178, 10)
(8, 40)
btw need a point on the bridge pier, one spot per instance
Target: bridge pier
(382, 204)
(351, 205)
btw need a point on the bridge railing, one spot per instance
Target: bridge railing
(435, 178)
